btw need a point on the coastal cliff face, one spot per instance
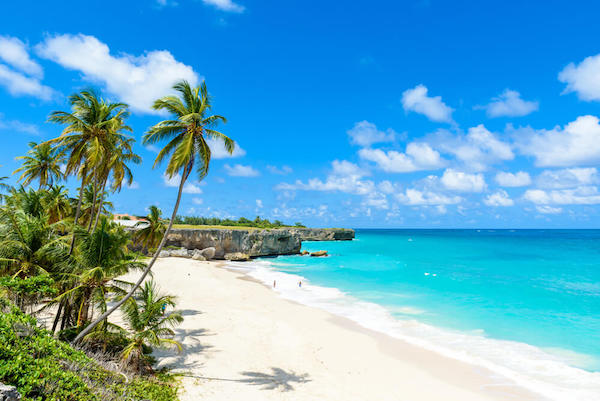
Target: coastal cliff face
(323, 234)
(226, 241)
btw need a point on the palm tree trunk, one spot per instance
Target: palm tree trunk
(95, 186)
(100, 204)
(84, 332)
(57, 318)
(77, 213)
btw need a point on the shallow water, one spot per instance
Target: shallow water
(524, 303)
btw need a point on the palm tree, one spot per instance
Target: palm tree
(56, 203)
(93, 127)
(42, 163)
(149, 324)
(117, 165)
(191, 125)
(152, 230)
(88, 205)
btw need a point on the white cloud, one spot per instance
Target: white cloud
(583, 79)
(548, 209)
(345, 177)
(136, 80)
(417, 197)
(476, 150)
(365, 134)
(218, 151)
(134, 185)
(225, 5)
(19, 84)
(239, 170)
(461, 181)
(510, 104)
(283, 170)
(188, 187)
(575, 144)
(434, 108)
(18, 126)
(259, 203)
(418, 156)
(198, 201)
(14, 52)
(498, 198)
(585, 195)
(568, 178)
(386, 187)
(518, 179)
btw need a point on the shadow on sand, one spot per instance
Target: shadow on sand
(279, 379)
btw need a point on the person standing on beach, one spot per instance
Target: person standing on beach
(274, 283)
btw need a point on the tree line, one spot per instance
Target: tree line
(241, 222)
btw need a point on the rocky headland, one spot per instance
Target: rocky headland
(243, 244)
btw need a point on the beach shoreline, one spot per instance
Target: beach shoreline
(244, 341)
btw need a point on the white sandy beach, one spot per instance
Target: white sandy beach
(243, 342)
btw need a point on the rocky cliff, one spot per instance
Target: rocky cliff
(323, 234)
(229, 241)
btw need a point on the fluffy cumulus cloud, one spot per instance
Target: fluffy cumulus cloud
(188, 187)
(218, 151)
(225, 5)
(510, 104)
(20, 74)
(283, 170)
(418, 156)
(584, 195)
(568, 178)
(583, 78)
(416, 197)
(344, 177)
(240, 170)
(518, 179)
(463, 182)
(476, 150)
(498, 198)
(575, 144)
(366, 134)
(417, 100)
(15, 53)
(136, 80)
(18, 126)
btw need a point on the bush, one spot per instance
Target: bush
(44, 368)
(25, 292)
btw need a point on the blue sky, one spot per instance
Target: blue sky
(360, 114)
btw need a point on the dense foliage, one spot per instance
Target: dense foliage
(241, 222)
(44, 368)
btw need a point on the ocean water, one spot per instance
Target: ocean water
(522, 303)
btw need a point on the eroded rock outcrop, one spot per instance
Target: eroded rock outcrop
(323, 234)
(230, 241)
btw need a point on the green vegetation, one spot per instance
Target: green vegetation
(242, 222)
(65, 257)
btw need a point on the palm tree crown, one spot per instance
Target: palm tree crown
(42, 163)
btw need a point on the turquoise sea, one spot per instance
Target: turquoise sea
(523, 303)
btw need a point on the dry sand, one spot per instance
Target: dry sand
(243, 342)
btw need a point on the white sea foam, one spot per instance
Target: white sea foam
(546, 373)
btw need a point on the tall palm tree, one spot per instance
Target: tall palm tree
(121, 155)
(93, 126)
(149, 323)
(152, 230)
(187, 132)
(42, 163)
(56, 203)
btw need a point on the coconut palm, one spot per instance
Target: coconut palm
(121, 155)
(88, 205)
(42, 163)
(187, 149)
(149, 323)
(152, 230)
(93, 127)
(56, 203)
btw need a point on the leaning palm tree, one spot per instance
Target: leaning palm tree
(93, 127)
(42, 163)
(150, 324)
(56, 203)
(152, 230)
(187, 149)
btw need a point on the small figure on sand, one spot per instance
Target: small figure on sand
(300, 283)
(274, 283)
(164, 307)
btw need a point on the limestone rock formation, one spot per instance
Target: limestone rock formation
(9, 393)
(319, 253)
(237, 256)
